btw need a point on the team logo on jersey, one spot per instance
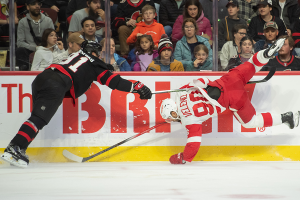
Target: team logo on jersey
(136, 15)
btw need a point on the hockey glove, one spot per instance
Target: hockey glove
(177, 159)
(142, 90)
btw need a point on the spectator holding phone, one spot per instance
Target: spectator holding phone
(51, 51)
(92, 10)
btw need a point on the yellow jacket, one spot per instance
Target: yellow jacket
(174, 66)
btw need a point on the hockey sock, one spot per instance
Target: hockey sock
(258, 60)
(28, 132)
(264, 120)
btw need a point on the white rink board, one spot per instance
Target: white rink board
(280, 94)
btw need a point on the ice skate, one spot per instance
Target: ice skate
(274, 48)
(15, 156)
(291, 119)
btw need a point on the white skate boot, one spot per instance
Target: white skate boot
(274, 48)
(15, 156)
(291, 119)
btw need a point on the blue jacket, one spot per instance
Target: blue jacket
(184, 54)
(122, 63)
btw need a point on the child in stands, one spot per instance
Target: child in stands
(145, 53)
(149, 26)
(201, 62)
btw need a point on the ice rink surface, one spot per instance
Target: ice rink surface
(151, 180)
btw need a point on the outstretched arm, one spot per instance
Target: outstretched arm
(192, 145)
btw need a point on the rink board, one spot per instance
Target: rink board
(102, 118)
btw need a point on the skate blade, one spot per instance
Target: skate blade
(7, 157)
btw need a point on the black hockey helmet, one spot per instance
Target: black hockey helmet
(91, 47)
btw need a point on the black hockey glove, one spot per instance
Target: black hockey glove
(142, 90)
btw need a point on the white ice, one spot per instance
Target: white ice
(151, 180)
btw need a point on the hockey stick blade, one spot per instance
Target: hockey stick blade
(79, 159)
(270, 74)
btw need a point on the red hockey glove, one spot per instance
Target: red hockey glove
(177, 159)
(142, 90)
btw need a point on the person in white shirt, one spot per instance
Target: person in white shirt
(51, 51)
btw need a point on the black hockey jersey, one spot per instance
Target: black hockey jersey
(128, 10)
(293, 64)
(84, 68)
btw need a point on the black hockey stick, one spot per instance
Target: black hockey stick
(270, 74)
(79, 159)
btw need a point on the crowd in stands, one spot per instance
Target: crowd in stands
(150, 35)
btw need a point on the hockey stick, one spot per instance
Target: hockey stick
(79, 159)
(168, 91)
(270, 74)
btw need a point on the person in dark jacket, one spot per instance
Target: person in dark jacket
(257, 23)
(285, 61)
(226, 25)
(59, 6)
(168, 12)
(288, 11)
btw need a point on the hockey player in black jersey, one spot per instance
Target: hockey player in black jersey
(70, 78)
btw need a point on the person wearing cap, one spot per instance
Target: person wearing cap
(27, 41)
(288, 11)
(70, 78)
(226, 25)
(271, 34)
(165, 61)
(285, 60)
(256, 26)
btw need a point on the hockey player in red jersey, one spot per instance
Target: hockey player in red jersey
(70, 78)
(204, 99)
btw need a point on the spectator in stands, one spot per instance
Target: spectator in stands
(296, 37)
(193, 9)
(226, 24)
(246, 9)
(92, 10)
(30, 30)
(284, 61)
(232, 48)
(200, 62)
(257, 23)
(149, 26)
(128, 14)
(89, 29)
(270, 33)
(4, 17)
(119, 63)
(165, 60)
(51, 51)
(75, 5)
(246, 45)
(185, 47)
(59, 6)
(145, 52)
(288, 11)
(168, 12)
